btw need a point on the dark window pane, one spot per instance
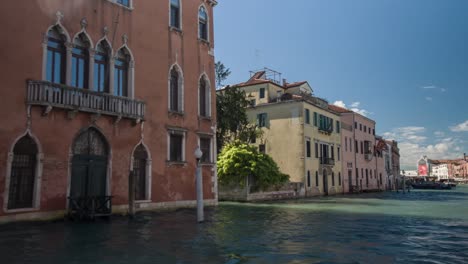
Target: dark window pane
(57, 68)
(205, 147)
(176, 147)
(261, 148)
(202, 98)
(22, 175)
(174, 91)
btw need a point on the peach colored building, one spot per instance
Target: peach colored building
(300, 132)
(96, 90)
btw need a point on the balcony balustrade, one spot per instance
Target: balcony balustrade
(51, 95)
(327, 161)
(325, 129)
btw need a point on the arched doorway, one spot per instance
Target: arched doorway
(325, 182)
(23, 174)
(89, 171)
(140, 163)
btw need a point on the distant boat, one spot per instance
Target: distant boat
(431, 185)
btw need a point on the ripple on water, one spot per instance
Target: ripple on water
(419, 227)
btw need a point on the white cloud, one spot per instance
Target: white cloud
(340, 104)
(443, 90)
(355, 104)
(353, 107)
(361, 111)
(413, 144)
(428, 98)
(429, 87)
(462, 127)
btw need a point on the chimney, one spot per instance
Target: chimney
(284, 82)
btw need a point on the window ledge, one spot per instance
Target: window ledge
(208, 118)
(175, 113)
(21, 210)
(204, 41)
(176, 163)
(176, 30)
(207, 164)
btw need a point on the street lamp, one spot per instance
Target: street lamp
(199, 180)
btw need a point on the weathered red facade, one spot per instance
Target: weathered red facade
(144, 30)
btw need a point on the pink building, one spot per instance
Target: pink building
(359, 164)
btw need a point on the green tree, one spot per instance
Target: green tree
(239, 160)
(232, 121)
(221, 73)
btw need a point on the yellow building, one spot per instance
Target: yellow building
(300, 132)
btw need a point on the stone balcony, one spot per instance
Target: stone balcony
(52, 95)
(327, 161)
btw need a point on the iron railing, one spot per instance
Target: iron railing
(89, 207)
(61, 96)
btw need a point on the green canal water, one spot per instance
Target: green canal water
(416, 227)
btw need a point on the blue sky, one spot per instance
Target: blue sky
(403, 63)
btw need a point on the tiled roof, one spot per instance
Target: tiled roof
(339, 109)
(258, 78)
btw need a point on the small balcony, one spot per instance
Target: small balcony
(325, 129)
(327, 161)
(52, 95)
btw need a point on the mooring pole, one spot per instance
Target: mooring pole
(199, 183)
(131, 194)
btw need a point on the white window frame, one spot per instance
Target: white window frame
(210, 137)
(207, 24)
(180, 16)
(207, 95)
(178, 131)
(148, 170)
(180, 86)
(37, 176)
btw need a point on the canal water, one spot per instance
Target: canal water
(416, 227)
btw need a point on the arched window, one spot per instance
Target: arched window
(339, 178)
(23, 174)
(333, 178)
(175, 90)
(204, 97)
(140, 163)
(56, 56)
(80, 62)
(122, 61)
(202, 24)
(101, 67)
(175, 13)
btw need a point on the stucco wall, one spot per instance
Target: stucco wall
(154, 47)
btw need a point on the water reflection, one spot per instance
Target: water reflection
(419, 227)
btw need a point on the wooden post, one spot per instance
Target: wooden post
(131, 194)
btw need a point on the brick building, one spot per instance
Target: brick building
(95, 89)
